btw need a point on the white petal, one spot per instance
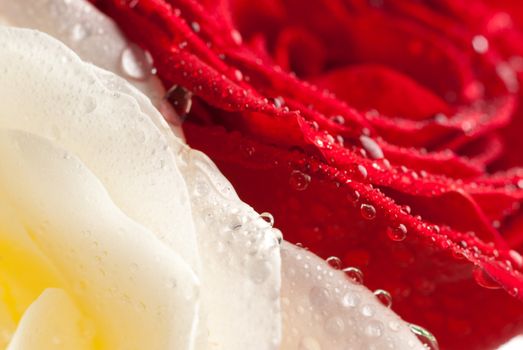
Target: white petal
(47, 90)
(240, 268)
(91, 34)
(24, 271)
(324, 310)
(137, 291)
(66, 329)
(240, 261)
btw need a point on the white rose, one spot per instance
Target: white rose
(115, 235)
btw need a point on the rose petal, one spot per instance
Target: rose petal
(219, 215)
(104, 127)
(322, 309)
(137, 291)
(240, 261)
(89, 33)
(37, 330)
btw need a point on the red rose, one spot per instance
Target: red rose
(382, 132)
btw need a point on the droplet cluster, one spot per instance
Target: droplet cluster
(325, 310)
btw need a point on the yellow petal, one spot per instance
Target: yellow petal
(52, 322)
(138, 292)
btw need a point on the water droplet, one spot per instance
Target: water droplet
(434, 229)
(425, 337)
(278, 102)
(236, 37)
(238, 75)
(374, 329)
(384, 297)
(441, 118)
(309, 343)
(350, 299)
(405, 209)
(278, 234)
(195, 27)
(394, 326)
(338, 119)
(181, 100)
(319, 296)
(259, 271)
(358, 172)
(267, 217)
(334, 325)
(136, 63)
(368, 310)
(371, 147)
(480, 44)
(353, 196)
(78, 32)
(513, 292)
(354, 274)
(516, 258)
(299, 181)
(368, 211)
(483, 279)
(334, 262)
(397, 233)
(130, 3)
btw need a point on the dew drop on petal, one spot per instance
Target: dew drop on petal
(405, 209)
(195, 27)
(362, 171)
(425, 337)
(516, 258)
(394, 325)
(353, 196)
(130, 3)
(483, 279)
(278, 102)
(374, 329)
(136, 63)
(338, 119)
(397, 233)
(238, 75)
(384, 297)
(334, 325)
(480, 44)
(236, 37)
(370, 146)
(267, 217)
(176, 104)
(299, 181)
(368, 310)
(79, 32)
(350, 299)
(354, 274)
(334, 262)
(278, 234)
(368, 211)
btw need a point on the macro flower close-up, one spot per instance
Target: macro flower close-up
(261, 175)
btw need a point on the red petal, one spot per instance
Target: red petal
(337, 178)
